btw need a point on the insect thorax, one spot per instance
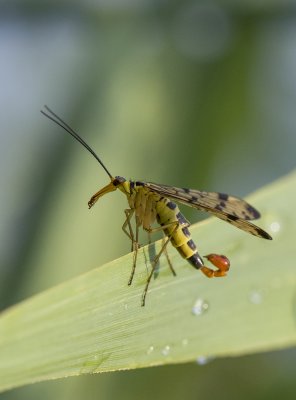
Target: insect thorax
(148, 205)
(143, 201)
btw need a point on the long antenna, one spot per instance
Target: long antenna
(55, 118)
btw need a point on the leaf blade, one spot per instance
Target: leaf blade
(94, 323)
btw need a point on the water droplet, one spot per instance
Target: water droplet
(185, 342)
(200, 307)
(166, 350)
(275, 227)
(256, 296)
(203, 360)
(125, 306)
(150, 349)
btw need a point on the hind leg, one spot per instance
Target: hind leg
(155, 261)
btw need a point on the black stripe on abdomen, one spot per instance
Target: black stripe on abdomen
(195, 260)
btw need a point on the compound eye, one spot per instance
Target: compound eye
(118, 180)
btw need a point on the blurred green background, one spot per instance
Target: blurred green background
(189, 93)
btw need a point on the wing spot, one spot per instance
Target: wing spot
(223, 196)
(253, 211)
(232, 218)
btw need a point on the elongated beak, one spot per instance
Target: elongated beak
(109, 188)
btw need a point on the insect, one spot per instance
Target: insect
(150, 202)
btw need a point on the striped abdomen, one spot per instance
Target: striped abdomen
(149, 206)
(168, 213)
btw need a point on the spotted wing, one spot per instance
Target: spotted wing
(228, 208)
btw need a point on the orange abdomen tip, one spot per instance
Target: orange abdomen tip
(219, 261)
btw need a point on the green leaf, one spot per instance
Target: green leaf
(95, 323)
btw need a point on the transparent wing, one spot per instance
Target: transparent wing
(228, 208)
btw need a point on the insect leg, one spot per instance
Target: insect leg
(129, 213)
(161, 228)
(155, 261)
(136, 245)
(149, 237)
(165, 252)
(169, 260)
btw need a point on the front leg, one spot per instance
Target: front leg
(127, 223)
(134, 238)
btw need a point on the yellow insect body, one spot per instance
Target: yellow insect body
(144, 203)
(149, 206)
(177, 230)
(151, 203)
